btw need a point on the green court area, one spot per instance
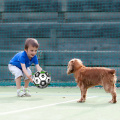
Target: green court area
(58, 103)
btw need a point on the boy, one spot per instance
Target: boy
(19, 66)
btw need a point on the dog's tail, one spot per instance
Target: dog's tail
(112, 71)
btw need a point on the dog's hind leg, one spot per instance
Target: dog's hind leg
(113, 93)
(113, 97)
(112, 90)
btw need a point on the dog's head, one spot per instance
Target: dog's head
(74, 65)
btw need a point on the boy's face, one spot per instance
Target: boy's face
(31, 51)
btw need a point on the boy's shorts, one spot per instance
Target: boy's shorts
(18, 72)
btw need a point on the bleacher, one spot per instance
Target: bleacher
(65, 29)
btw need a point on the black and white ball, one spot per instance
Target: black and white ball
(41, 79)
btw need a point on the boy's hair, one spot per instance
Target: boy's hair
(31, 41)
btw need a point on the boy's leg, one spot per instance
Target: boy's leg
(26, 83)
(20, 93)
(18, 74)
(18, 82)
(26, 90)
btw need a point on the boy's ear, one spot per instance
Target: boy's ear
(25, 50)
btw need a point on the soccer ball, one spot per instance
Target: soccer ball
(41, 79)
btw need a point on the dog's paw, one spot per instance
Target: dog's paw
(80, 101)
(112, 101)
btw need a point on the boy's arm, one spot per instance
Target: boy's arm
(38, 67)
(25, 72)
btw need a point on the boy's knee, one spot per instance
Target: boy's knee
(18, 75)
(18, 78)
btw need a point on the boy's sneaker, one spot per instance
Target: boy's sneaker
(20, 93)
(27, 92)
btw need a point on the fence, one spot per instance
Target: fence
(65, 29)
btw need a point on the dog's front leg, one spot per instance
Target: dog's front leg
(83, 93)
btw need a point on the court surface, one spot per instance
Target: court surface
(58, 103)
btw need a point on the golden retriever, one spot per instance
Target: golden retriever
(87, 77)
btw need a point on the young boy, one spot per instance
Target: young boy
(19, 66)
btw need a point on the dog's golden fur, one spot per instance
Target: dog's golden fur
(91, 76)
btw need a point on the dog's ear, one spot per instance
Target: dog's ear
(70, 67)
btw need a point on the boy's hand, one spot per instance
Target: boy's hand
(30, 78)
(26, 73)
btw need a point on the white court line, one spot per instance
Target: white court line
(43, 106)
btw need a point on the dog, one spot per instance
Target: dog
(87, 77)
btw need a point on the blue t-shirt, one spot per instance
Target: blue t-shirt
(22, 57)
